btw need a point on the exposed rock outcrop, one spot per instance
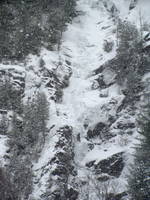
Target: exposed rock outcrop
(111, 166)
(59, 187)
(101, 130)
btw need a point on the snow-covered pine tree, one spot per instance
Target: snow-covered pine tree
(19, 168)
(42, 114)
(7, 191)
(28, 25)
(11, 98)
(128, 51)
(3, 125)
(27, 138)
(36, 114)
(139, 180)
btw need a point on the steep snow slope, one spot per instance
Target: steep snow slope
(140, 8)
(82, 107)
(85, 40)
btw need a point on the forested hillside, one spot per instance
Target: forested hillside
(74, 100)
(28, 25)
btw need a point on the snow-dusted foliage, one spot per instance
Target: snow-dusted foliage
(139, 179)
(25, 26)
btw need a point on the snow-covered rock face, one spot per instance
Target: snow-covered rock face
(15, 73)
(91, 129)
(97, 121)
(133, 4)
(132, 10)
(146, 40)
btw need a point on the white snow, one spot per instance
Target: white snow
(18, 68)
(3, 149)
(123, 7)
(141, 10)
(42, 166)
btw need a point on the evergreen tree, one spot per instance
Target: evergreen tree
(21, 175)
(42, 113)
(19, 167)
(16, 141)
(11, 98)
(128, 52)
(139, 180)
(36, 114)
(4, 125)
(7, 191)
(29, 124)
(28, 25)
